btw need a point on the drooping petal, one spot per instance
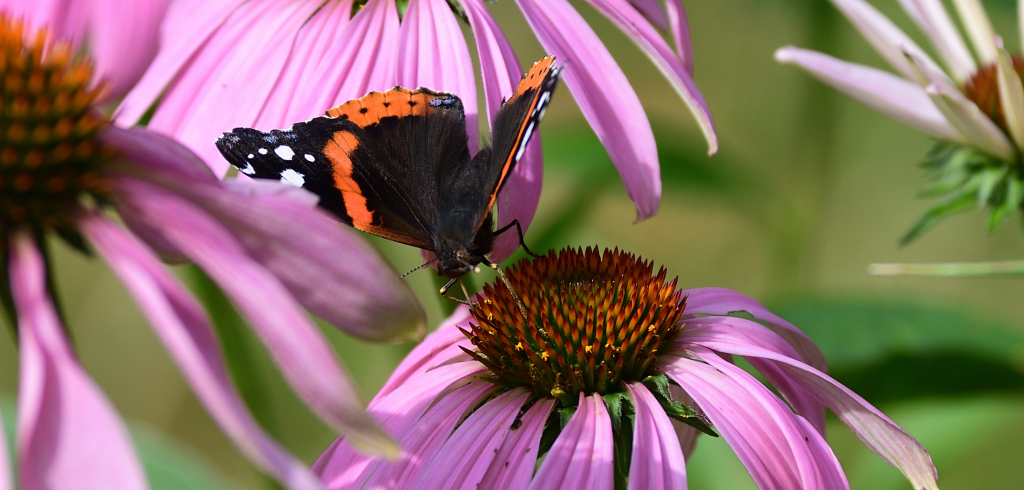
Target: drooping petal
(657, 462)
(822, 452)
(978, 27)
(884, 36)
(700, 330)
(652, 11)
(5, 460)
(123, 37)
(360, 60)
(301, 352)
(464, 458)
(501, 73)
(326, 266)
(226, 82)
(285, 104)
(891, 95)
(424, 439)
(756, 424)
(604, 96)
(935, 22)
(680, 32)
(581, 457)
(516, 459)
(432, 53)
(643, 33)
(1011, 95)
(721, 301)
(440, 347)
(186, 29)
(67, 429)
(398, 413)
(183, 327)
(871, 426)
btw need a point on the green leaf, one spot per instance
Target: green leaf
(169, 465)
(894, 350)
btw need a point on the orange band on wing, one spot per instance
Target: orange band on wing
(338, 150)
(397, 102)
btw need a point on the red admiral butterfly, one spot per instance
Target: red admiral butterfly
(396, 164)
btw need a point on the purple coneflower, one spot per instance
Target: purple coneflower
(63, 168)
(122, 35)
(975, 107)
(268, 64)
(606, 384)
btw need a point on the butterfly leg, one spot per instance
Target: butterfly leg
(504, 279)
(522, 242)
(444, 292)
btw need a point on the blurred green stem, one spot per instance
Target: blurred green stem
(1009, 267)
(803, 193)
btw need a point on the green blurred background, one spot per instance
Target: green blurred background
(807, 190)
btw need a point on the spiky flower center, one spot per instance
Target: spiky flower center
(983, 89)
(593, 321)
(50, 153)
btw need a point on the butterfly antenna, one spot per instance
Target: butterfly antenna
(519, 229)
(515, 296)
(419, 267)
(444, 292)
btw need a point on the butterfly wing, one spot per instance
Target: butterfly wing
(516, 121)
(373, 161)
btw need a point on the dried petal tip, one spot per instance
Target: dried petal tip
(50, 153)
(595, 322)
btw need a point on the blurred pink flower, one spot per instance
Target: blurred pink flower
(265, 245)
(268, 64)
(489, 394)
(122, 35)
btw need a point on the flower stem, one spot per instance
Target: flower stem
(954, 269)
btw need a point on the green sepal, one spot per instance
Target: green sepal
(963, 201)
(1013, 195)
(658, 384)
(623, 415)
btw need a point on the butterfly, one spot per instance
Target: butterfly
(396, 164)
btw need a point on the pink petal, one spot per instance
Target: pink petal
(432, 53)
(464, 458)
(761, 429)
(934, 21)
(820, 449)
(891, 95)
(5, 459)
(297, 346)
(362, 59)
(699, 331)
(680, 32)
(657, 462)
(423, 438)
(581, 457)
(440, 347)
(187, 27)
(721, 301)
(516, 459)
(501, 73)
(644, 35)
(686, 433)
(884, 36)
(182, 325)
(603, 95)
(123, 40)
(226, 85)
(872, 427)
(315, 38)
(67, 430)
(652, 11)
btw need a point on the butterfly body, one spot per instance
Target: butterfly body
(397, 164)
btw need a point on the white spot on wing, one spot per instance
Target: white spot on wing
(526, 139)
(248, 170)
(263, 151)
(285, 152)
(309, 157)
(289, 176)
